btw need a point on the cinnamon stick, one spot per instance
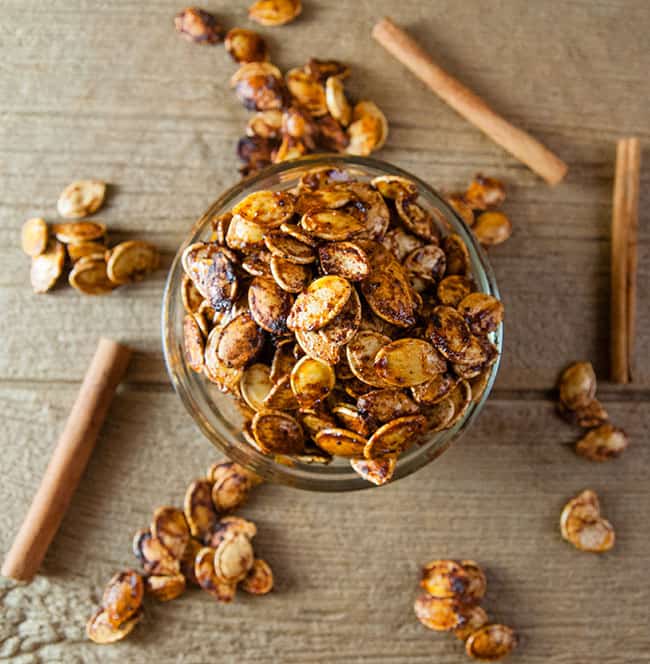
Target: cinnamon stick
(516, 141)
(68, 461)
(624, 258)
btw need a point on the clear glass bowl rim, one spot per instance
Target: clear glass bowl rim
(313, 477)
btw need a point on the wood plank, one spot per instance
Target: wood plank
(346, 565)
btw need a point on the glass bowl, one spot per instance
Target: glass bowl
(217, 414)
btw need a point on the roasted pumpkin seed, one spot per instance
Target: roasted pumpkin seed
(281, 396)
(344, 259)
(122, 597)
(199, 509)
(307, 91)
(274, 12)
(577, 385)
(47, 267)
(394, 437)
(170, 527)
(462, 208)
(244, 235)
(477, 585)
(320, 303)
(582, 525)
(408, 362)
(34, 236)
(337, 103)
(491, 643)
(453, 289)
(246, 45)
(80, 199)
(340, 442)
(259, 580)
(89, 277)
(441, 615)
(231, 490)
(268, 209)
(277, 432)
(445, 579)
(240, 341)
(387, 404)
(368, 130)
(229, 526)
(331, 224)
(485, 192)
(434, 390)
(131, 261)
(269, 305)
(377, 471)
(100, 630)
(427, 262)
(265, 124)
(416, 219)
(212, 269)
(311, 381)
(233, 558)
(603, 443)
(166, 588)
(222, 591)
(475, 618)
(448, 332)
(492, 228)
(155, 557)
(458, 260)
(287, 247)
(255, 385)
(290, 276)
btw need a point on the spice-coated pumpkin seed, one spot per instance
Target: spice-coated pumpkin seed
(199, 509)
(229, 526)
(79, 231)
(578, 385)
(283, 360)
(307, 91)
(320, 303)
(311, 381)
(34, 236)
(485, 192)
(231, 491)
(427, 262)
(255, 385)
(240, 341)
(582, 525)
(492, 228)
(331, 224)
(259, 580)
(218, 372)
(454, 288)
(277, 432)
(440, 415)
(315, 420)
(287, 247)
(368, 130)
(258, 263)
(336, 101)
(281, 396)
(268, 209)
(394, 437)
(448, 332)
(325, 344)
(603, 443)
(395, 186)
(340, 442)
(187, 560)
(491, 643)
(233, 558)
(400, 243)
(79, 250)
(192, 299)
(590, 416)
(408, 362)
(131, 261)
(47, 267)
(434, 390)
(416, 219)
(298, 233)
(377, 471)
(361, 352)
(212, 270)
(461, 398)
(475, 618)
(352, 419)
(479, 384)
(100, 630)
(246, 45)
(244, 235)
(269, 305)
(165, 588)
(475, 589)
(155, 557)
(290, 276)
(274, 12)
(441, 615)
(265, 124)
(323, 69)
(198, 26)
(372, 206)
(458, 260)
(208, 579)
(170, 527)
(81, 198)
(445, 578)
(344, 259)
(387, 404)
(89, 276)
(249, 69)
(122, 596)
(258, 92)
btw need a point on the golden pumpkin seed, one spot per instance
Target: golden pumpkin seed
(79, 231)
(434, 390)
(361, 352)
(400, 243)
(408, 362)
(122, 597)
(100, 630)
(233, 558)
(265, 124)
(212, 269)
(491, 643)
(199, 510)
(259, 580)
(344, 259)
(492, 228)
(448, 332)
(394, 437)
(353, 420)
(582, 525)
(34, 236)
(281, 396)
(336, 101)
(231, 490)
(155, 557)
(340, 442)
(385, 405)
(453, 289)
(277, 432)
(485, 192)
(274, 12)
(427, 262)
(605, 442)
(445, 579)
(461, 207)
(395, 186)
(244, 235)
(208, 579)
(307, 91)
(218, 372)
(166, 588)
(255, 385)
(368, 130)
(89, 276)
(269, 305)
(320, 303)
(475, 618)
(246, 45)
(198, 26)
(79, 250)
(377, 471)
(441, 615)
(440, 415)
(477, 585)
(240, 341)
(287, 247)
(416, 219)
(80, 199)
(131, 261)
(458, 260)
(290, 276)
(577, 385)
(331, 224)
(47, 267)
(311, 381)
(268, 209)
(170, 527)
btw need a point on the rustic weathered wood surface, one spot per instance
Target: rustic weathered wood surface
(107, 90)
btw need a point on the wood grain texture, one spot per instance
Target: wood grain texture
(107, 90)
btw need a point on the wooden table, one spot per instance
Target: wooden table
(108, 90)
